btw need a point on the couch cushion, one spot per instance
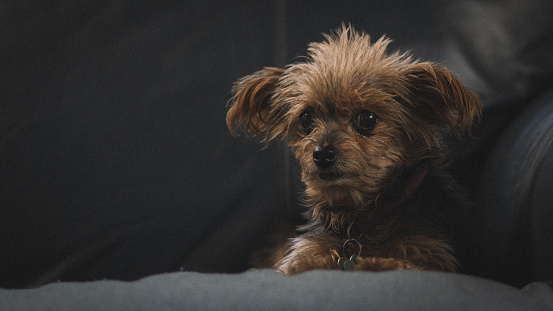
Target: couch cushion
(515, 211)
(268, 290)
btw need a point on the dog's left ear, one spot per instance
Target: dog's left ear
(440, 99)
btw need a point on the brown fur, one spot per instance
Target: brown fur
(414, 103)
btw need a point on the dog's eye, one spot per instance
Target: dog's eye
(306, 121)
(365, 122)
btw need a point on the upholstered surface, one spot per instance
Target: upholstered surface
(515, 207)
(267, 290)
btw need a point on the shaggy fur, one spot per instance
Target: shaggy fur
(382, 117)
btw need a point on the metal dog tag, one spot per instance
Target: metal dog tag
(343, 262)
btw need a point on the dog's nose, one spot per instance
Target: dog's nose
(324, 157)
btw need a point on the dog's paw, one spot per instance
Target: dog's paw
(380, 264)
(299, 264)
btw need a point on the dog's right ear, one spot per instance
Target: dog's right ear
(251, 108)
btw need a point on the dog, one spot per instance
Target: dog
(367, 127)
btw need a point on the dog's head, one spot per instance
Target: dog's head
(355, 116)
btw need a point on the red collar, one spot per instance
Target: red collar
(365, 221)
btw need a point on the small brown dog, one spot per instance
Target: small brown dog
(366, 128)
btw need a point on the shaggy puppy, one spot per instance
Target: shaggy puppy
(366, 127)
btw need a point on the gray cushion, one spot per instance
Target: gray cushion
(267, 290)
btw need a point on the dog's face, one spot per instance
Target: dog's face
(355, 117)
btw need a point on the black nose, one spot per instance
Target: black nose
(324, 157)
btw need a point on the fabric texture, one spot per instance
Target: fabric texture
(515, 199)
(268, 290)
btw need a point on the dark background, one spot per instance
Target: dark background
(115, 159)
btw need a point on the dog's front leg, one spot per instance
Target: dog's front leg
(307, 255)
